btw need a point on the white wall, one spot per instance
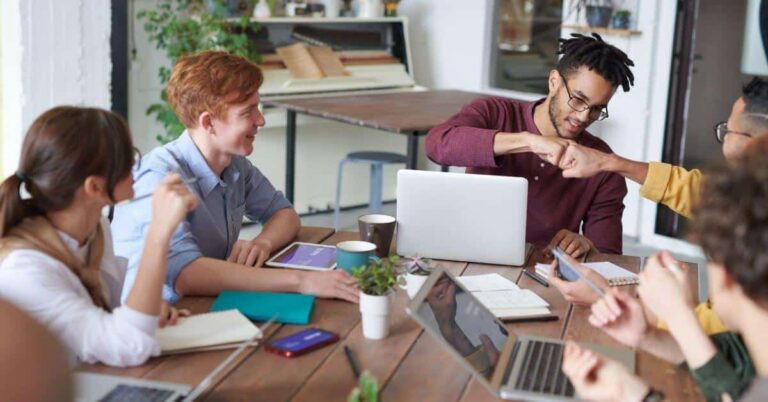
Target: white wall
(54, 52)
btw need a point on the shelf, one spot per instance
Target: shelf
(322, 20)
(603, 31)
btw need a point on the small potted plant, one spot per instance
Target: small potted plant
(417, 270)
(367, 389)
(620, 19)
(376, 281)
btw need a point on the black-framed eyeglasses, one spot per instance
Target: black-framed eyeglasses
(580, 105)
(721, 130)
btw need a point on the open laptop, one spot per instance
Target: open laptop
(511, 366)
(462, 217)
(91, 387)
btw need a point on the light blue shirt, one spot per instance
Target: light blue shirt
(213, 227)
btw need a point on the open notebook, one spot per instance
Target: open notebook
(504, 298)
(616, 275)
(209, 331)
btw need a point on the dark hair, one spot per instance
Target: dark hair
(62, 147)
(755, 95)
(730, 221)
(604, 59)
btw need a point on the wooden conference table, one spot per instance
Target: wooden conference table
(412, 114)
(409, 364)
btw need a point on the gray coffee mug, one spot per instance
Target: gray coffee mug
(379, 230)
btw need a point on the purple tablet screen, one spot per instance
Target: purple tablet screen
(308, 255)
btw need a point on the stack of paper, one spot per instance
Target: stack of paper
(616, 275)
(504, 298)
(209, 331)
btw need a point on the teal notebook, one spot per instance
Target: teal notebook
(290, 308)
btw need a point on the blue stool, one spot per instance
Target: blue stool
(377, 160)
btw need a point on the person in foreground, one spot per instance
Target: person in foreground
(215, 95)
(56, 256)
(731, 225)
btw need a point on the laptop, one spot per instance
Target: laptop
(462, 217)
(90, 387)
(510, 366)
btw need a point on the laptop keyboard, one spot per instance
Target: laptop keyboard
(541, 370)
(133, 393)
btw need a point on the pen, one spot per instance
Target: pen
(143, 196)
(352, 361)
(536, 278)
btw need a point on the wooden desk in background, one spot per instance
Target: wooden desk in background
(409, 113)
(409, 364)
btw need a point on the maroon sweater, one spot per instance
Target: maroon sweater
(594, 205)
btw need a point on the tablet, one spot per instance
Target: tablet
(315, 257)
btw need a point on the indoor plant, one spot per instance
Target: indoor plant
(182, 27)
(620, 19)
(376, 281)
(367, 389)
(599, 13)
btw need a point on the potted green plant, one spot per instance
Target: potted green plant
(376, 281)
(367, 389)
(182, 27)
(417, 270)
(620, 19)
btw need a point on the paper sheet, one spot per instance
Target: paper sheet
(209, 329)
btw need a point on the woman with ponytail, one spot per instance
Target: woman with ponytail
(57, 260)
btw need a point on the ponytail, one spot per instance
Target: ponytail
(13, 209)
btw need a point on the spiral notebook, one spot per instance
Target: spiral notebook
(616, 275)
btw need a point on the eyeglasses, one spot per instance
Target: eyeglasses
(721, 130)
(579, 105)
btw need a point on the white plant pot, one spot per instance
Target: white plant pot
(413, 283)
(375, 313)
(370, 9)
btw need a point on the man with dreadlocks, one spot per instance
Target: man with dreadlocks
(504, 137)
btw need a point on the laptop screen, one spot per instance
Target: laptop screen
(465, 324)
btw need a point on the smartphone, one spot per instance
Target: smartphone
(564, 270)
(568, 272)
(301, 342)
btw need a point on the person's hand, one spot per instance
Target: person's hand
(442, 299)
(490, 349)
(620, 316)
(577, 292)
(579, 161)
(171, 202)
(169, 315)
(664, 287)
(550, 149)
(598, 379)
(252, 253)
(332, 284)
(571, 243)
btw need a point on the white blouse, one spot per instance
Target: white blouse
(46, 289)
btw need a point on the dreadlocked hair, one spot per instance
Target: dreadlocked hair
(604, 59)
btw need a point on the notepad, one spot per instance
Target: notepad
(486, 282)
(205, 331)
(614, 274)
(288, 308)
(504, 298)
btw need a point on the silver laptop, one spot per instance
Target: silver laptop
(91, 387)
(462, 217)
(511, 366)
